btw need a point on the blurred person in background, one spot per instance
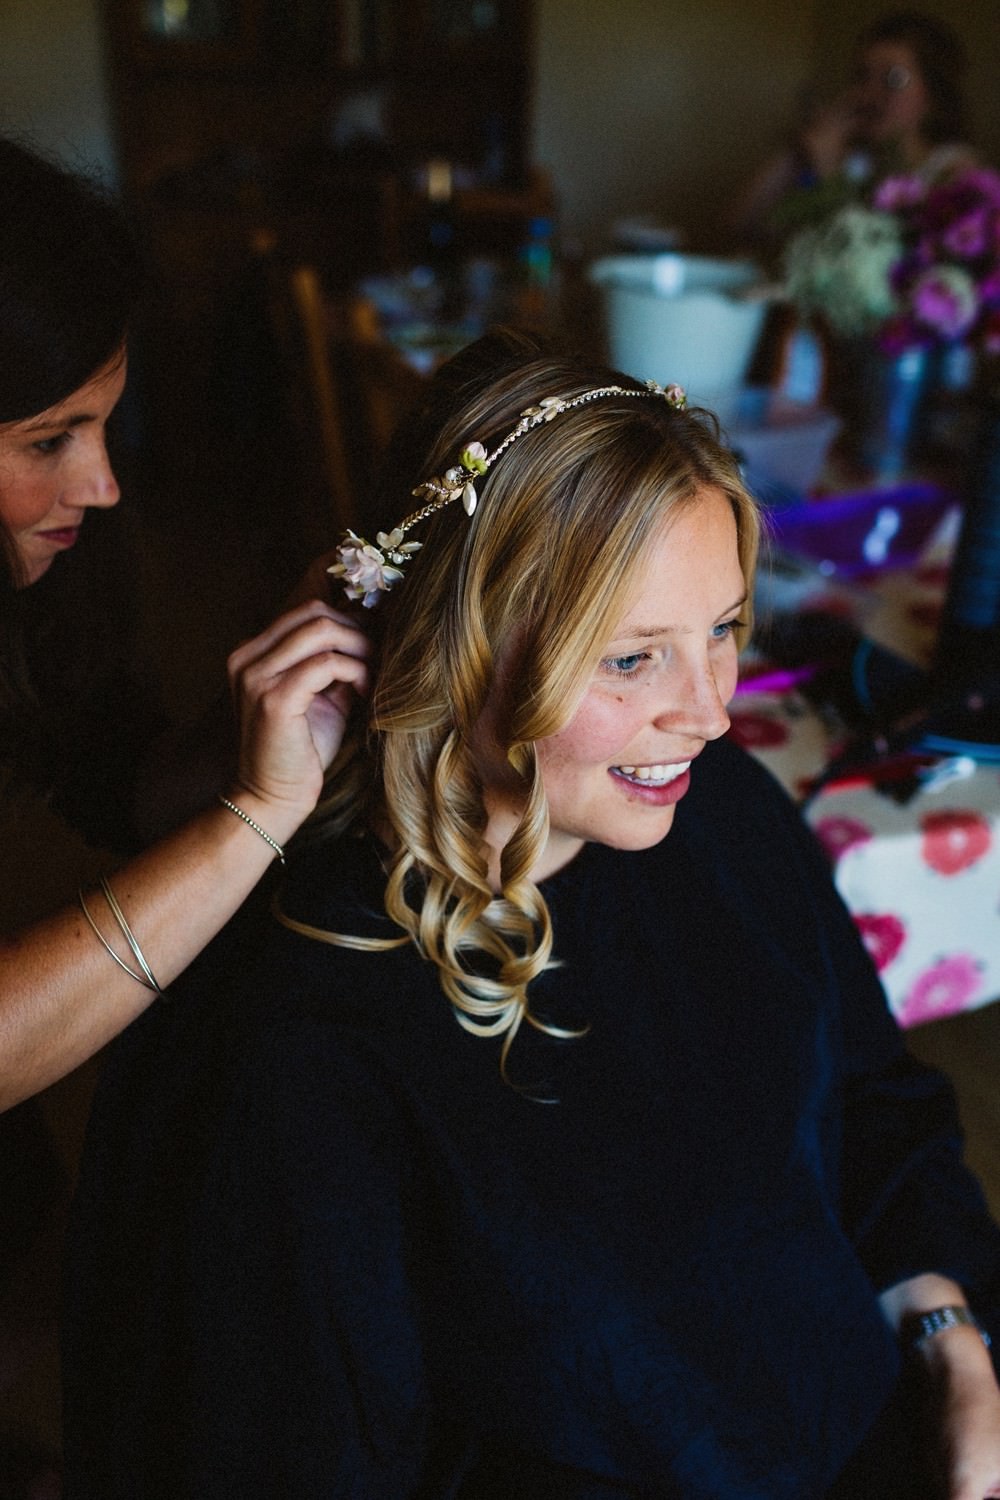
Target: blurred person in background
(904, 111)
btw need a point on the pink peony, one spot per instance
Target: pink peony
(982, 182)
(895, 193)
(944, 299)
(989, 287)
(971, 235)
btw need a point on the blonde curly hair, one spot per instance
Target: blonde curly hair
(517, 604)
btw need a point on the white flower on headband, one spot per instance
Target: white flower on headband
(458, 482)
(370, 572)
(547, 408)
(367, 571)
(676, 395)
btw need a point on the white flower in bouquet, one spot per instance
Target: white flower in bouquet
(841, 268)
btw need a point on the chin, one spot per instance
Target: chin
(636, 839)
(33, 571)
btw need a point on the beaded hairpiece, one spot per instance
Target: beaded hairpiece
(369, 570)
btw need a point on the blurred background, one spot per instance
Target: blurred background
(334, 194)
(631, 106)
(515, 139)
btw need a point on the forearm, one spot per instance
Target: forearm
(964, 1399)
(920, 1294)
(61, 995)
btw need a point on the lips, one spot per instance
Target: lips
(64, 536)
(654, 775)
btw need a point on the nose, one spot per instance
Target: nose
(697, 706)
(94, 483)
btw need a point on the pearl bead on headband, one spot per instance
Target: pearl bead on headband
(370, 571)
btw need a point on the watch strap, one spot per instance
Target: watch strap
(926, 1325)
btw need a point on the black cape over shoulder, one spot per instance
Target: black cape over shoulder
(321, 1249)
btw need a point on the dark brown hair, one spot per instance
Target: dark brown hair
(940, 56)
(70, 277)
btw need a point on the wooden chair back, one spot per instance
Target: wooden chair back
(312, 384)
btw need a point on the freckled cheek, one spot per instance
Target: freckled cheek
(595, 736)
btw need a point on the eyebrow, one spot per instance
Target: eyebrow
(649, 632)
(61, 422)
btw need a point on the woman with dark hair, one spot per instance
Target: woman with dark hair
(909, 104)
(556, 1141)
(904, 111)
(80, 729)
(77, 722)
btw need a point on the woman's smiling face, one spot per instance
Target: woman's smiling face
(54, 467)
(617, 770)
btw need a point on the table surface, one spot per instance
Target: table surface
(920, 875)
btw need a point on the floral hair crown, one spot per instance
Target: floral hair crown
(370, 571)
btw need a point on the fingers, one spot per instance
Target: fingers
(280, 689)
(307, 630)
(294, 685)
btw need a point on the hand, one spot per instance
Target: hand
(967, 1403)
(293, 686)
(827, 135)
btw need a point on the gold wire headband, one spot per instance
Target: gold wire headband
(370, 570)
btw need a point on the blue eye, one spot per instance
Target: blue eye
(626, 666)
(48, 446)
(726, 629)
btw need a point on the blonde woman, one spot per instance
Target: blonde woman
(556, 1140)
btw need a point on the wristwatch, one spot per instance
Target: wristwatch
(926, 1325)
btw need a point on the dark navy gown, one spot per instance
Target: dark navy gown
(323, 1251)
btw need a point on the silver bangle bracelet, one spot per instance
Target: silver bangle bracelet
(146, 977)
(130, 937)
(278, 851)
(939, 1318)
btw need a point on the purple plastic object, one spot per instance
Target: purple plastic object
(851, 535)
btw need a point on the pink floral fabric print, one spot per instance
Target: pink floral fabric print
(954, 839)
(883, 935)
(948, 986)
(837, 835)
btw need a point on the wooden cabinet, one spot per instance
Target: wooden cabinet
(441, 78)
(306, 123)
(461, 85)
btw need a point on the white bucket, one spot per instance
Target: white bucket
(691, 319)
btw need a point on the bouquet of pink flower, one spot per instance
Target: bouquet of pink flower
(946, 284)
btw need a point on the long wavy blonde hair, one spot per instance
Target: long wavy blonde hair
(536, 581)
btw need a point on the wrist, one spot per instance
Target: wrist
(277, 820)
(947, 1339)
(937, 1320)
